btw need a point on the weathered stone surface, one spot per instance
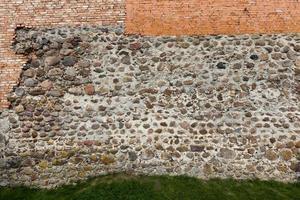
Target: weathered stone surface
(52, 60)
(286, 154)
(4, 127)
(132, 156)
(55, 72)
(89, 89)
(196, 148)
(271, 155)
(209, 106)
(227, 153)
(69, 60)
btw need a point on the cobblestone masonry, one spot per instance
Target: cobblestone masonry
(38, 13)
(93, 101)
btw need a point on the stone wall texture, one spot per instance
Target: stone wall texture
(149, 17)
(88, 97)
(39, 13)
(93, 101)
(193, 17)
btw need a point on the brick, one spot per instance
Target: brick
(194, 17)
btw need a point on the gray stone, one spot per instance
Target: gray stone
(69, 61)
(55, 72)
(70, 71)
(52, 60)
(132, 155)
(126, 60)
(56, 93)
(30, 82)
(221, 65)
(36, 91)
(297, 48)
(227, 153)
(19, 91)
(197, 148)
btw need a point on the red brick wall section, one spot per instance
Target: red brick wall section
(177, 17)
(41, 13)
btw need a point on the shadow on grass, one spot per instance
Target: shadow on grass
(121, 186)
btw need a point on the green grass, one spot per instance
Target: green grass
(125, 187)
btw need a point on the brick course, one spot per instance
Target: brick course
(193, 17)
(39, 13)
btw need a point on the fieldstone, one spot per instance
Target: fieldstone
(221, 65)
(135, 46)
(132, 155)
(28, 171)
(37, 91)
(107, 159)
(89, 89)
(30, 82)
(101, 108)
(69, 61)
(46, 85)
(127, 79)
(149, 91)
(12, 120)
(35, 63)
(203, 131)
(147, 154)
(19, 91)
(264, 57)
(14, 162)
(43, 164)
(254, 57)
(297, 48)
(52, 60)
(227, 153)
(197, 148)
(4, 126)
(276, 56)
(70, 71)
(286, 155)
(94, 157)
(30, 73)
(297, 68)
(185, 45)
(207, 169)
(75, 91)
(297, 62)
(66, 52)
(56, 93)
(260, 43)
(95, 126)
(271, 155)
(55, 72)
(143, 67)
(126, 60)
(19, 109)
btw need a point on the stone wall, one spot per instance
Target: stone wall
(92, 101)
(38, 13)
(194, 17)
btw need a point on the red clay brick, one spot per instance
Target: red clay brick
(195, 17)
